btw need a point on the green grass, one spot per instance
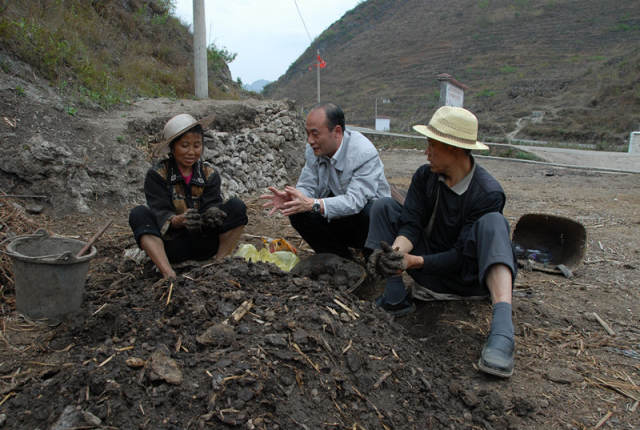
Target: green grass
(104, 55)
(508, 69)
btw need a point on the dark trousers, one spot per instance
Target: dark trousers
(488, 243)
(335, 236)
(182, 245)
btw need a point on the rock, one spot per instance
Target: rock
(218, 334)
(34, 208)
(563, 376)
(68, 419)
(91, 419)
(135, 362)
(276, 339)
(163, 367)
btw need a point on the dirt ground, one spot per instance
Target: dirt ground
(308, 354)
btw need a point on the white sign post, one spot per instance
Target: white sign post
(634, 142)
(451, 91)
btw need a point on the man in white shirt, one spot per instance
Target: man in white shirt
(342, 176)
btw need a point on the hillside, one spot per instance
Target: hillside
(107, 52)
(571, 66)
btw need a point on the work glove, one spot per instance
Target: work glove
(192, 220)
(385, 262)
(213, 217)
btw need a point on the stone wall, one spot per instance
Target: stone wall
(267, 149)
(98, 160)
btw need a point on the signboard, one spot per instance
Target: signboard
(634, 142)
(383, 124)
(454, 96)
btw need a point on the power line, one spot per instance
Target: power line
(303, 23)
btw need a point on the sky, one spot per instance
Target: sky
(266, 35)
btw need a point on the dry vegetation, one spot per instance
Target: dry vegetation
(577, 62)
(108, 52)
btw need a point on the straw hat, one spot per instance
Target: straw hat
(454, 126)
(176, 127)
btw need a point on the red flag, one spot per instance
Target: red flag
(321, 63)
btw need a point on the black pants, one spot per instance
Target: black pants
(183, 245)
(335, 236)
(488, 244)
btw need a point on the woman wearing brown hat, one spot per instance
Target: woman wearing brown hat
(185, 217)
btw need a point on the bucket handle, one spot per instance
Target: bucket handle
(41, 232)
(38, 233)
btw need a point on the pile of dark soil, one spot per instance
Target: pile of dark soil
(230, 344)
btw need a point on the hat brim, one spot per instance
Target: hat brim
(163, 146)
(449, 140)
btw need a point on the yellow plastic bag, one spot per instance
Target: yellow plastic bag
(285, 260)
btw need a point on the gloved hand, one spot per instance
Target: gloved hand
(385, 262)
(193, 220)
(213, 217)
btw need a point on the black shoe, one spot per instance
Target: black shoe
(406, 306)
(497, 356)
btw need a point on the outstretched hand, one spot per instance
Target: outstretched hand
(289, 201)
(277, 199)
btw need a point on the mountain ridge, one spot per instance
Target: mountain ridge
(575, 62)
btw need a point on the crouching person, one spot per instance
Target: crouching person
(342, 177)
(185, 217)
(450, 235)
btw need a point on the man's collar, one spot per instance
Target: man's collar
(461, 187)
(338, 160)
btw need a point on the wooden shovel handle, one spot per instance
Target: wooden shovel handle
(93, 239)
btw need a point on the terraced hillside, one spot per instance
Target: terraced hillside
(568, 70)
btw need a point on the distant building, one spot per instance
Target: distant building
(383, 123)
(451, 91)
(634, 142)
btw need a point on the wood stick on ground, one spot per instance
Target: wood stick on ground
(7, 397)
(603, 420)
(169, 295)
(93, 239)
(380, 380)
(346, 348)
(306, 357)
(107, 360)
(353, 314)
(240, 311)
(604, 324)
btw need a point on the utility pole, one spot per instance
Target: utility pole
(201, 79)
(318, 75)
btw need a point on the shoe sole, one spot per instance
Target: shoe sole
(403, 312)
(493, 371)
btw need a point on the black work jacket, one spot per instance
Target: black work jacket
(168, 195)
(455, 214)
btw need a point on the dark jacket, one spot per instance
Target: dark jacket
(455, 214)
(168, 195)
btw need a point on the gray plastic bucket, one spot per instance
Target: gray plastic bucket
(49, 279)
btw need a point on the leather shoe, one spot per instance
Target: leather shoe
(497, 356)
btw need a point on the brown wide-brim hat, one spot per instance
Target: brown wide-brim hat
(453, 126)
(176, 127)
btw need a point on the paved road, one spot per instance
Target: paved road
(615, 161)
(595, 159)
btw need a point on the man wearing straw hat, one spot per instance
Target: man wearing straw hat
(185, 217)
(449, 235)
